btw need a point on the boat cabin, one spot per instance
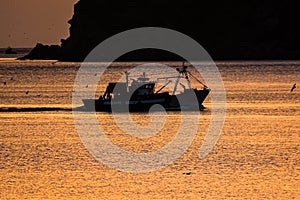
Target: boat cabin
(139, 87)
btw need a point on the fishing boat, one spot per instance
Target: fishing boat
(141, 94)
(9, 50)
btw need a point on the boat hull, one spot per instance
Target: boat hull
(168, 102)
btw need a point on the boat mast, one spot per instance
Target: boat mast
(177, 81)
(181, 72)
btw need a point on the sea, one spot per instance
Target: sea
(43, 155)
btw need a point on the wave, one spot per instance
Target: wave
(36, 109)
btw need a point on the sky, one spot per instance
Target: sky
(23, 23)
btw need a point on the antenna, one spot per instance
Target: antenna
(127, 79)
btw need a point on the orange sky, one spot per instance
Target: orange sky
(23, 23)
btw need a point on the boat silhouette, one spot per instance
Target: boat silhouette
(9, 50)
(141, 95)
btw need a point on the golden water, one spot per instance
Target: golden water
(256, 157)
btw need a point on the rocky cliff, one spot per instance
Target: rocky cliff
(227, 30)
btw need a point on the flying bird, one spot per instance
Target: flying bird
(294, 86)
(4, 82)
(27, 92)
